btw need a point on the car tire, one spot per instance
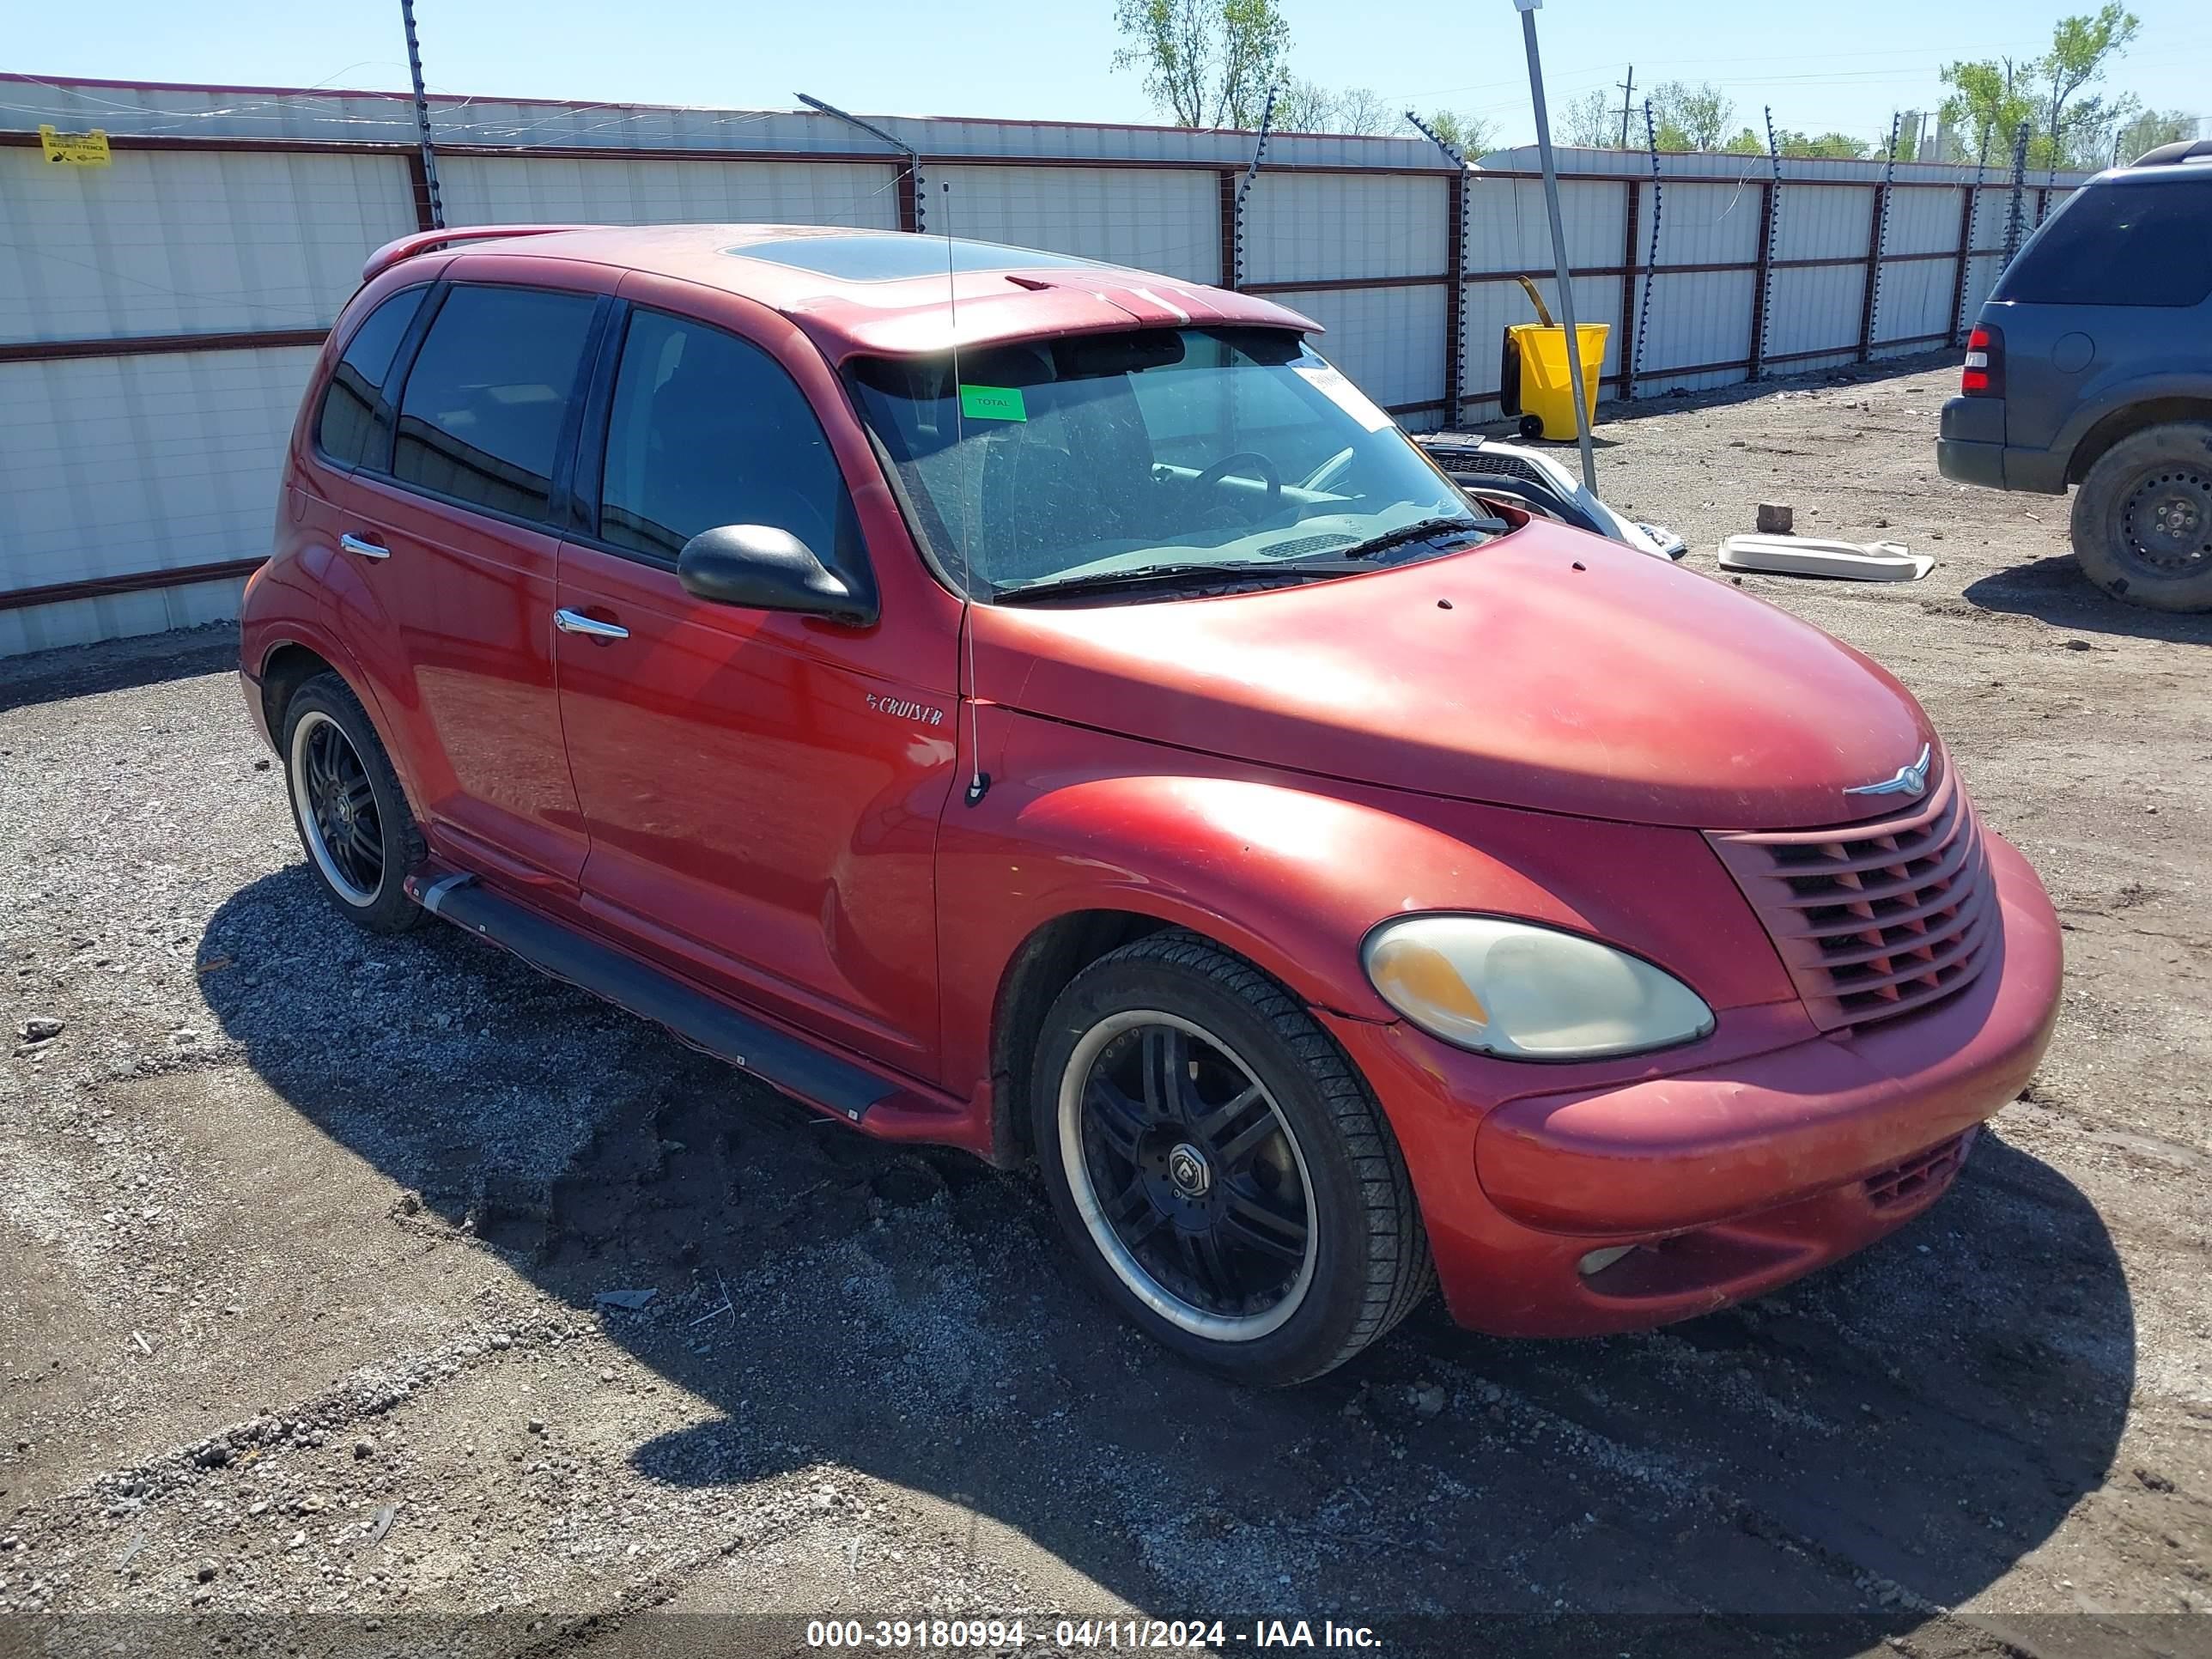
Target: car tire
(2143, 518)
(353, 820)
(1269, 1241)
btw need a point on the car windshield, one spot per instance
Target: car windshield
(1073, 458)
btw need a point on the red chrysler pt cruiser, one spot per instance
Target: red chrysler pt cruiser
(1041, 707)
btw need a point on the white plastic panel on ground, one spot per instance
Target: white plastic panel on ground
(1702, 317)
(1314, 227)
(113, 465)
(560, 189)
(1389, 341)
(1708, 224)
(188, 242)
(1162, 219)
(1822, 222)
(1814, 309)
(1914, 301)
(1507, 228)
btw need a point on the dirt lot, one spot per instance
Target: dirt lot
(302, 1236)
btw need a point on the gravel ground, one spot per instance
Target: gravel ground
(306, 1234)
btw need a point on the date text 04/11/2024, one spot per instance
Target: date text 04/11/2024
(1143, 1634)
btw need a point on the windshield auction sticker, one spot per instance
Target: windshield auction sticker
(1342, 393)
(993, 403)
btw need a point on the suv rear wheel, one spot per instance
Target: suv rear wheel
(2142, 518)
(360, 838)
(1223, 1173)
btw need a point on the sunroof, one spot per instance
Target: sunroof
(889, 258)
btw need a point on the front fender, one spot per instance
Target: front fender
(1288, 873)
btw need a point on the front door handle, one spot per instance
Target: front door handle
(574, 622)
(367, 549)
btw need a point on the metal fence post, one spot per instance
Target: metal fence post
(1762, 304)
(1870, 310)
(437, 202)
(1456, 212)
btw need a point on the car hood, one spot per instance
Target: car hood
(1547, 669)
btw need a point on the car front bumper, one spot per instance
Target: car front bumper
(1725, 1179)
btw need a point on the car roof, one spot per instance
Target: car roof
(879, 292)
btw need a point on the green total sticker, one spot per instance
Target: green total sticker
(993, 403)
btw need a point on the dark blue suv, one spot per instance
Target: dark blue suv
(2091, 365)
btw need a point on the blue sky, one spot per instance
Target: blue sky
(1844, 65)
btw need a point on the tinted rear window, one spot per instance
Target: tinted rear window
(481, 418)
(2120, 245)
(346, 425)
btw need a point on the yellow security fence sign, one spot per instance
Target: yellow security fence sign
(81, 149)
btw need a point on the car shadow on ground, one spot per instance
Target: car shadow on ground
(116, 665)
(1883, 1440)
(2055, 592)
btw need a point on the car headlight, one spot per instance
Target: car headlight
(1523, 992)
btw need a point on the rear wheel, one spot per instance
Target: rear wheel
(354, 821)
(2142, 518)
(1223, 1173)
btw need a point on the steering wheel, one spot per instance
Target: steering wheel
(1329, 470)
(1220, 470)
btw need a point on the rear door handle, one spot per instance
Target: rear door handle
(574, 622)
(368, 550)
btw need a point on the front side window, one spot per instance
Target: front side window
(1061, 460)
(2119, 244)
(345, 425)
(706, 430)
(480, 421)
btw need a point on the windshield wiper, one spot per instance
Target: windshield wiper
(1149, 575)
(1420, 531)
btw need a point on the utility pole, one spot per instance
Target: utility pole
(1527, 10)
(1626, 87)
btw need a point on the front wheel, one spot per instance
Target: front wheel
(1226, 1176)
(2142, 518)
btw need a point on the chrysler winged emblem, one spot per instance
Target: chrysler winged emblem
(1909, 780)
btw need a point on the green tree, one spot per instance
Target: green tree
(2152, 127)
(1467, 133)
(1302, 106)
(1206, 63)
(1699, 115)
(1990, 101)
(1362, 109)
(1745, 143)
(1587, 122)
(2080, 47)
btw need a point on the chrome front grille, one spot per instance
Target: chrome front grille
(1872, 919)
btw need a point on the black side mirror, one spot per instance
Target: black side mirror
(764, 568)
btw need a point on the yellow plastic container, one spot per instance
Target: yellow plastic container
(1534, 382)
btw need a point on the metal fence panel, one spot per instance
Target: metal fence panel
(1822, 222)
(163, 242)
(1697, 318)
(509, 190)
(113, 465)
(1320, 226)
(1507, 229)
(1923, 222)
(1814, 310)
(1156, 219)
(1712, 224)
(1388, 340)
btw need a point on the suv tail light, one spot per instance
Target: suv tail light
(1984, 376)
